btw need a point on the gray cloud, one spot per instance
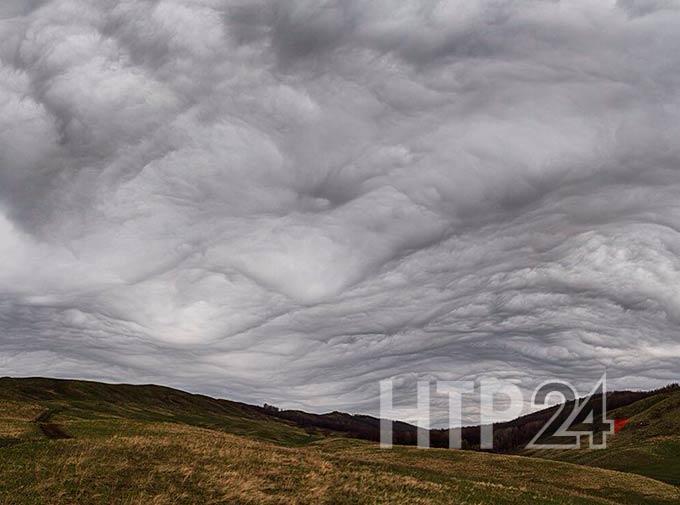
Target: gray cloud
(289, 201)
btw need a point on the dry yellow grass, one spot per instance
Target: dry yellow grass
(15, 421)
(167, 464)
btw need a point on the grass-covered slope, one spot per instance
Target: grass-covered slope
(648, 445)
(65, 402)
(152, 445)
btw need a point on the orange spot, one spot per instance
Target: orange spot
(619, 424)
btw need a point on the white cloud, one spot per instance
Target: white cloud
(291, 201)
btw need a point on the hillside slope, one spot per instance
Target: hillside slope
(649, 444)
(151, 445)
(67, 401)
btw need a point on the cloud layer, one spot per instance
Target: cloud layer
(289, 201)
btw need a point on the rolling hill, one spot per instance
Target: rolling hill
(649, 443)
(65, 442)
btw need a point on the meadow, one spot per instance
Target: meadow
(151, 445)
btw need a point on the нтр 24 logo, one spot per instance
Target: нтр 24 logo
(575, 419)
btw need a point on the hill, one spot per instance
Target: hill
(69, 400)
(509, 436)
(649, 443)
(64, 442)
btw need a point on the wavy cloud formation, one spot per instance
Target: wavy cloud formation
(289, 201)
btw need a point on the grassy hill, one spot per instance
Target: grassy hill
(648, 445)
(72, 401)
(65, 442)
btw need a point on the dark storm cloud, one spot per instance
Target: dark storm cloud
(289, 201)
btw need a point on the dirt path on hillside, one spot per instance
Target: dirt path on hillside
(50, 430)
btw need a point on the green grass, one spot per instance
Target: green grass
(150, 445)
(649, 445)
(71, 400)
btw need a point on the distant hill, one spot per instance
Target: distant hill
(86, 443)
(509, 437)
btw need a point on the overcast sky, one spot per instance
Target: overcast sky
(289, 201)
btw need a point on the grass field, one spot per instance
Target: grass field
(136, 447)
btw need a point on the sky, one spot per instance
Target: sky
(291, 201)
